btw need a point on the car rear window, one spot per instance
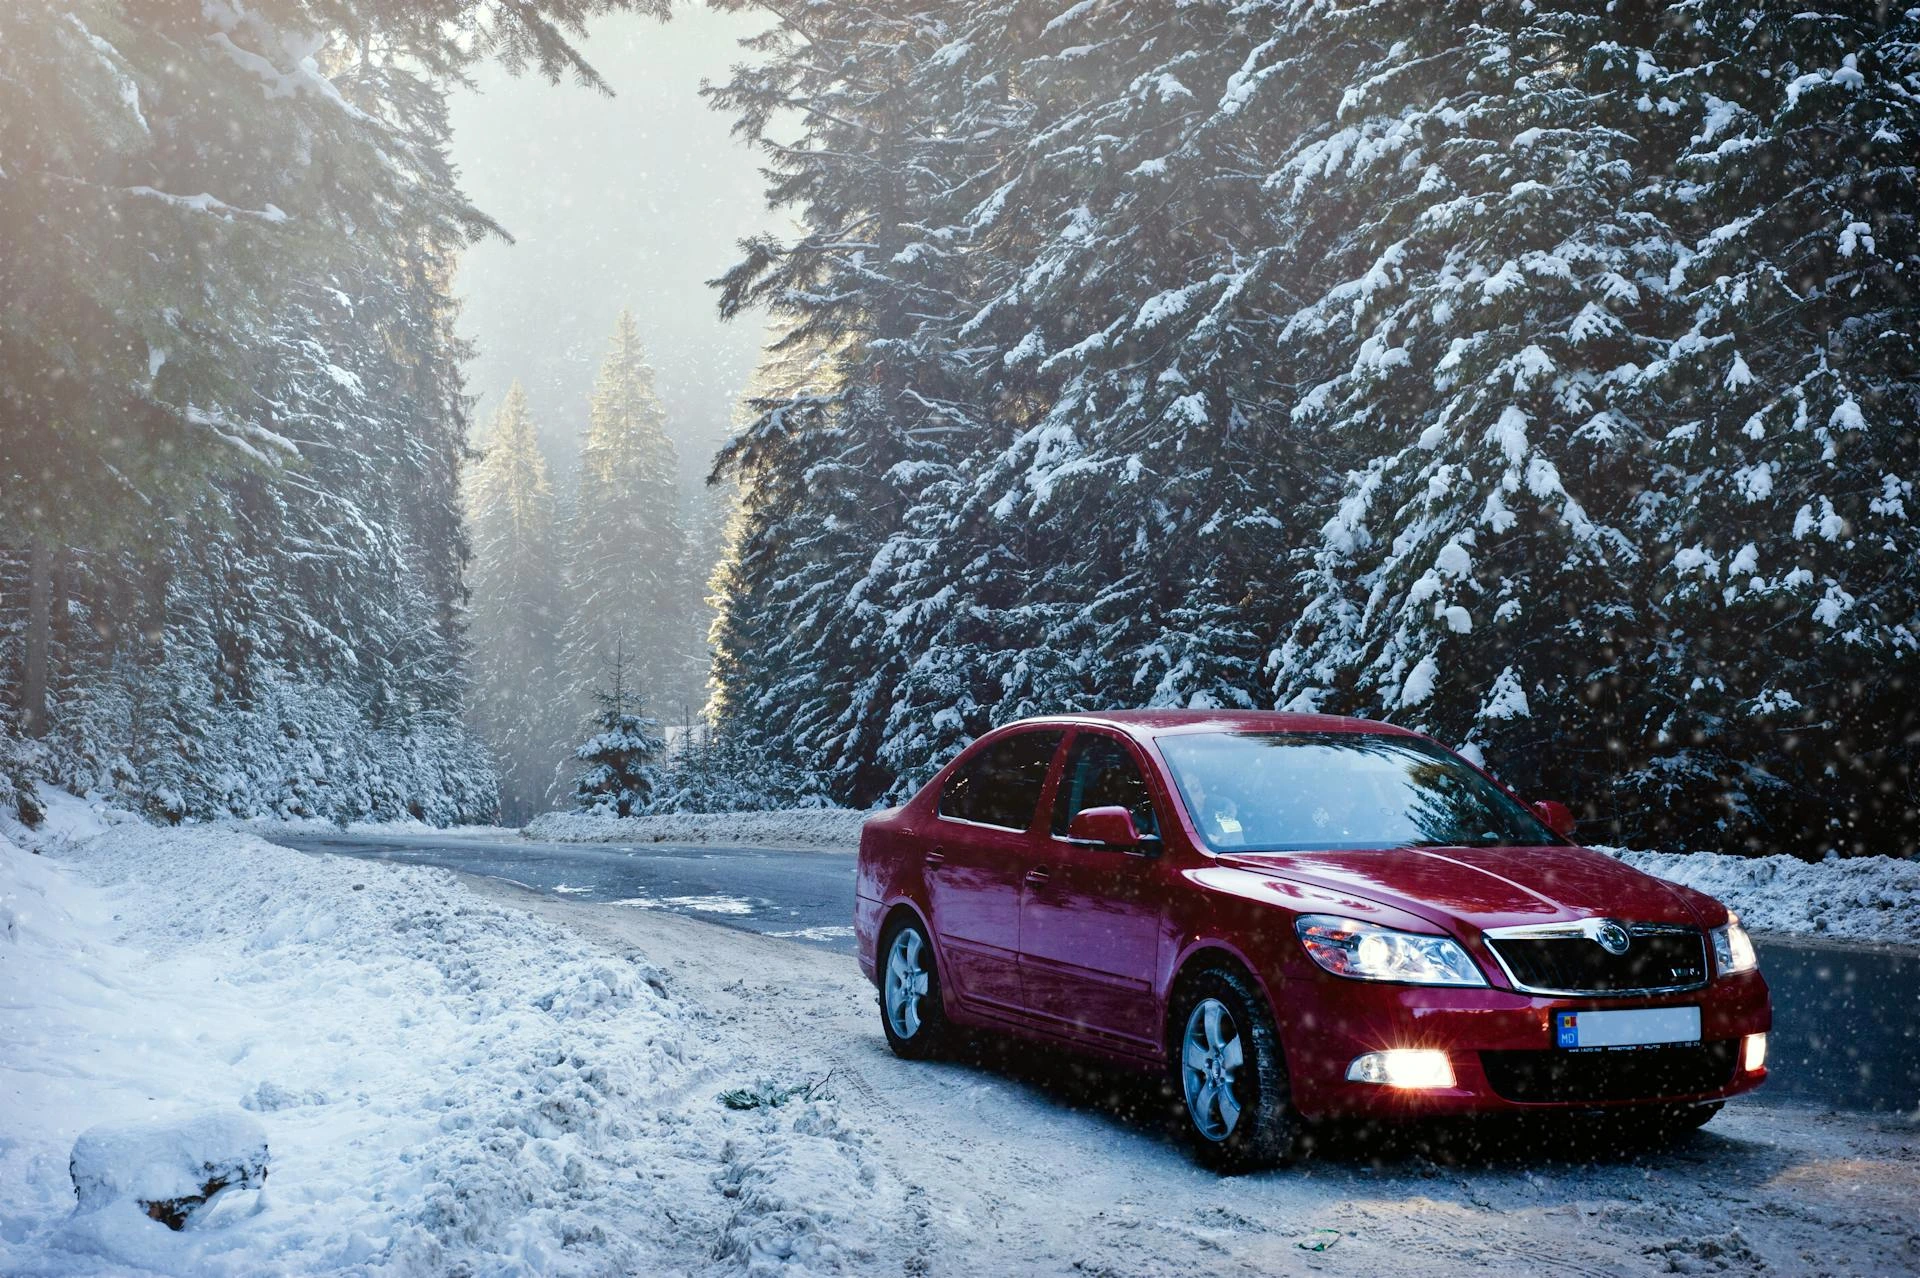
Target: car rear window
(1001, 785)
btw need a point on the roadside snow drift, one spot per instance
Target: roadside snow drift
(446, 1085)
(786, 828)
(1868, 898)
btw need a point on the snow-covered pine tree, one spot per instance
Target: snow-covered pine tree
(1104, 541)
(1786, 686)
(1391, 334)
(711, 773)
(1483, 288)
(621, 759)
(228, 365)
(905, 115)
(521, 705)
(625, 545)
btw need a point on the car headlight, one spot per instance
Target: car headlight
(1733, 948)
(1369, 952)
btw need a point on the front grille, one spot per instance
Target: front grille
(1656, 959)
(1610, 1073)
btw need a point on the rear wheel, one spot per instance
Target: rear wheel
(1228, 1070)
(911, 1011)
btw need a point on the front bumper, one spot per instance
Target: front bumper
(1500, 1044)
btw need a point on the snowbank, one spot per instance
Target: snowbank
(67, 821)
(790, 828)
(320, 825)
(1869, 898)
(447, 1085)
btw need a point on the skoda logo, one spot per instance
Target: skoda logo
(1612, 938)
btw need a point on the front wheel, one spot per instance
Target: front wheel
(1228, 1069)
(911, 1010)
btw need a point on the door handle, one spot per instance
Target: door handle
(1037, 877)
(936, 859)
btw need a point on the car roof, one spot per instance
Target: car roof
(1155, 723)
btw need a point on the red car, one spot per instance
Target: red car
(1298, 916)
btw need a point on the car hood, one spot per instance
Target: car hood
(1485, 887)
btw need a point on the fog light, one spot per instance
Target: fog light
(1753, 1053)
(1403, 1067)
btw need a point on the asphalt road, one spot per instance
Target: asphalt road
(1846, 1017)
(799, 894)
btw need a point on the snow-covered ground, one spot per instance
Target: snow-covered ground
(1016, 1162)
(789, 828)
(466, 1077)
(319, 825)
(447, 1085)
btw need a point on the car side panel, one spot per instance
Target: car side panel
(868, 914)
(973, 900)
(1090, 927)
(1089, 939)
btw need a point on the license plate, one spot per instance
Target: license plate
(1640, 1027)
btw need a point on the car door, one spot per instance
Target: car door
(1091, 917)
(984, 841)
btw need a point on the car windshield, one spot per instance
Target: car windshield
(1296, 792)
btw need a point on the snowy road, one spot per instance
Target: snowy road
(1847, 1016)
(1026, 1163)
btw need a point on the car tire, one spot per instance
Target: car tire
(914, 1018)
(1222, 1037)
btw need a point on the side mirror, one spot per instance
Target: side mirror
(1556, 816)
(1109, 827)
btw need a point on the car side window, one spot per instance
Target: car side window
(1101, 773)
(1001, 786)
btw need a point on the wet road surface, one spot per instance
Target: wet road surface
(800, 894)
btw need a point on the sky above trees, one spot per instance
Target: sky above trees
(635, 201)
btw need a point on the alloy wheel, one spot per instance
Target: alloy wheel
(907, 982)
(1211, 1056)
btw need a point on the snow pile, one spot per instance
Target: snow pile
(447, 1085)
(65, 821)
(1868, 898)
(411, 826)
(792, 827)
(779, 1184)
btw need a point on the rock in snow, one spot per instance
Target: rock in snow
(168, 1167)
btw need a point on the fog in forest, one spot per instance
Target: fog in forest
(635, 200)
